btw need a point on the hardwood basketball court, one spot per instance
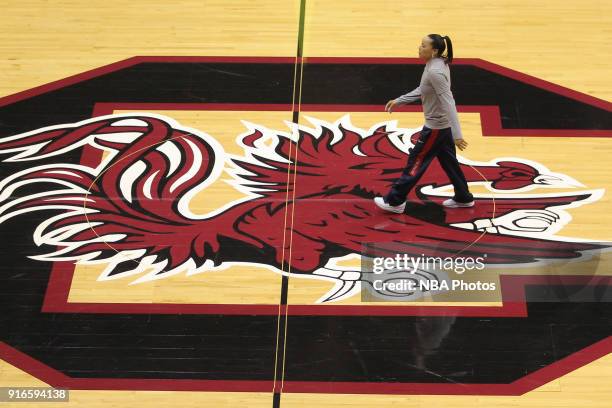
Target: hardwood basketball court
(212, 166)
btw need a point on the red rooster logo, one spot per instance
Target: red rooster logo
(132, 212)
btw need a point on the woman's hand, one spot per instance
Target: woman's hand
(461, 143)
(390, 105)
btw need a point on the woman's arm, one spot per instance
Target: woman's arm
(442, 87)
(411, 96)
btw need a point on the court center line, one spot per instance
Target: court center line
(279, 363)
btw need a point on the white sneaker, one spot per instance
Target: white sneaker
(380, 202)
(450, 203)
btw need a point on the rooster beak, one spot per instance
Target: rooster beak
(557, 180)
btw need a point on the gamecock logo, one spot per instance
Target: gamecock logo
(132, 211)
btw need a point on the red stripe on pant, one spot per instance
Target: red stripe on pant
(422, 153)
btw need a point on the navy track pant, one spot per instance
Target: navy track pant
(430, 144)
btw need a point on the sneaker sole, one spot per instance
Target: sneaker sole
(395, 211)
(390, 209)
(460, 205)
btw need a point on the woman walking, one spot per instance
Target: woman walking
(441, 133)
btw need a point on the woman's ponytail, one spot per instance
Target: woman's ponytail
(442, 44)
(449, 49)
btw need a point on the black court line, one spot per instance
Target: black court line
(282, 317)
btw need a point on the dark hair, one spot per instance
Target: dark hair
(437, 42)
